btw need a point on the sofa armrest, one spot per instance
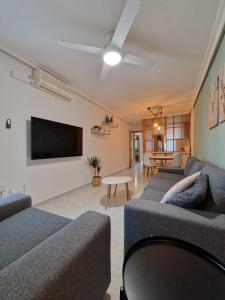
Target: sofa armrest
(172, 170)
(74, 263)
(143, 218)
(13, 204)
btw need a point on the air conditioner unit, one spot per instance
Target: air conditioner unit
(52, 85)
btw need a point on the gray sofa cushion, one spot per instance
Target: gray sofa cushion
(188, 166)
(13, 204)
(196, 166)
(171, 170)
(24, 230)
(216, 195)
(73, 263)
(153, 195)
(193, 196)
(215, 198)
(170, 176)
(160, 184)
(202, 228)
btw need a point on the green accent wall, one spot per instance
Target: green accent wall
(209, 143)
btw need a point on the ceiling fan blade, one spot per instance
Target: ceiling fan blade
(105, 71)
(126, 20)
(135, 60)
(80, 47)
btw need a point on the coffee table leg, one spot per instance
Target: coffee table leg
(110, 190)
(108, 195)
(115, 191)
(128, 193)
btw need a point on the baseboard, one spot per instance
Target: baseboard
(75, 189)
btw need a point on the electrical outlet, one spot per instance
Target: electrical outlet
(17, 190)
(8, 124)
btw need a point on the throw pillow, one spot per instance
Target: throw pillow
(193, 196)
(180, 186)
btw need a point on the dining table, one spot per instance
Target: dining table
(162, 158)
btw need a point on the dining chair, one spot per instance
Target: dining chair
(147, 163)
(176, 162)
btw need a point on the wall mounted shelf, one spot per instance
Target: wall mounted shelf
(100, 130)
(110, 124)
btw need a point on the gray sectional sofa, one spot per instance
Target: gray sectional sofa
(203, 226)
(45, 256)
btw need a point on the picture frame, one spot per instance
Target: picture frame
(213, 104)
(222, 95)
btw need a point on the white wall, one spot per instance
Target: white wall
(137, 127)
(47, 178)
(209, 143)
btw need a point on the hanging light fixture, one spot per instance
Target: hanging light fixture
(156, 111)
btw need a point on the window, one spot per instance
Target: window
(175, 131)
(169, 145)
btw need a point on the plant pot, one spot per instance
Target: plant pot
(96, 180)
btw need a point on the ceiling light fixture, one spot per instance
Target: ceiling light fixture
(112, 57)
(156, 111)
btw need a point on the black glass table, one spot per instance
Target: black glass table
(161, 268)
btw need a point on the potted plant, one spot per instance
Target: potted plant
(107, 119)
(95, 163)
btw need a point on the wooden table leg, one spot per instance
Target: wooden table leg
(108, 195)
(127, 190)
(110, 190)
(115, 191)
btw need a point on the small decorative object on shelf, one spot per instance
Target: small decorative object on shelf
(95, 163)
(109, 121)
(100, 130)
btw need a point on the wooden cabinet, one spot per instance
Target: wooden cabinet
(184, 157)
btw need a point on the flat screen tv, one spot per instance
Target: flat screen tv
(52, 139)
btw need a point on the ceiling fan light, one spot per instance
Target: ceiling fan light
(112, 58)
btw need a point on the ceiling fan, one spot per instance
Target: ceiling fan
(112, 54)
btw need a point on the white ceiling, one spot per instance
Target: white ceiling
(174, 33)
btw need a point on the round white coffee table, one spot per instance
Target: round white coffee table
(116, 180)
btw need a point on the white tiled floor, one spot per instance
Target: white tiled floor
(76, 202)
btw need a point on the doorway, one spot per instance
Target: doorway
(136, 147)
(158, 143)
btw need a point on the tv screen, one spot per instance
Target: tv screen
(52, 139)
